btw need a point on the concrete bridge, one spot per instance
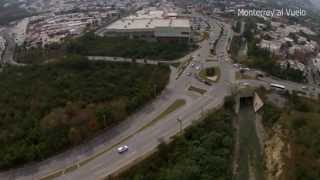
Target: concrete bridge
(249, 94)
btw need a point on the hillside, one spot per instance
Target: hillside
(46, 109)
(293, 139)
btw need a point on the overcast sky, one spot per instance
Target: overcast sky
(316, 2)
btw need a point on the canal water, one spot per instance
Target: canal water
(251, 163)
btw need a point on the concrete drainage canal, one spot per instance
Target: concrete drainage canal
(249, 161)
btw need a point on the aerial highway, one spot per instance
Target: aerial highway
(98, 158)
(144, 142)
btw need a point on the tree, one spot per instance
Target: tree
(51, 107)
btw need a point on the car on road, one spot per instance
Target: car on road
(198, 68)
(189, 74)
(245, 69)
(236, 65)
(192, 65)
(122, 149)
(244, 84)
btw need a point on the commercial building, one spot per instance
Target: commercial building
(151, 25)
(51, 28)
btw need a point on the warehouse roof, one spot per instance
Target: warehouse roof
(146, 24)
(144, 14)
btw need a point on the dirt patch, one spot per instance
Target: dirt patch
(260, 131)
(277, 151)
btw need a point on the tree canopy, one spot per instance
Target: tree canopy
(46, 108)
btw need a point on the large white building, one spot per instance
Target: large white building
(151, 25)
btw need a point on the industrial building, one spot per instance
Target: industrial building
(152, 26)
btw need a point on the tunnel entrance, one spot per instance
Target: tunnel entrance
(246, 101)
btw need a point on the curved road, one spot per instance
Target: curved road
(98, 158)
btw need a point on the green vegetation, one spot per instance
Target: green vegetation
(264, 60)
(203, 152)
(270, 115)
(211, 74)
(300, 118)
(239, 75)
(47, 108)
(197, 90)
(261, 58)
(37, 55)
(205, 35)
(92, 45)
(173, 107)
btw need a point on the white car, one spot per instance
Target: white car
(245, 69)
(236, 65)
(122, 149)
(245, 84)
(198, 68)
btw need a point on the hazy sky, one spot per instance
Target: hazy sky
(316, 2)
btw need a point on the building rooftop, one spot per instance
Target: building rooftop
(146, 14)
(147, 19)
(131, 24)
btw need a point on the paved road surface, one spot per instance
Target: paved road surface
(144, 141)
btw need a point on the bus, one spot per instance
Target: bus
(277, 86)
